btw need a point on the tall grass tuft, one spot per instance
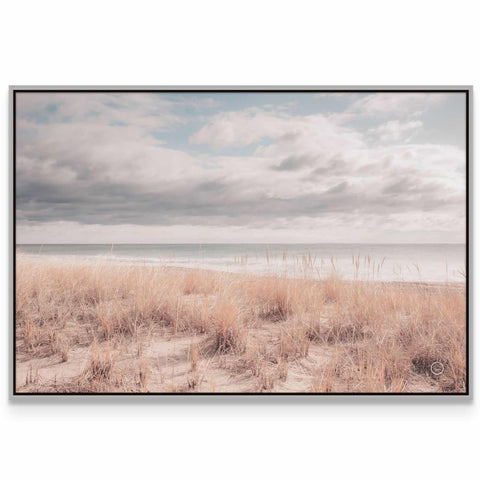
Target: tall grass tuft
(227, 334)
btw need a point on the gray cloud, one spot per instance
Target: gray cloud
(335, 166)
(340, 188)
(217, 201)
(294, 162)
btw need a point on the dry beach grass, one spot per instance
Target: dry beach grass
(112, 328)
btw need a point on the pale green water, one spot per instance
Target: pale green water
(398, 262)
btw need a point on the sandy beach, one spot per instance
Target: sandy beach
(112, 328)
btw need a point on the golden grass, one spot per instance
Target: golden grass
(227, 333)
(327, 335)
(101, 363)
(271, 296)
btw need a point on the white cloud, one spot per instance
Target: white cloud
(395, 103)
(243, 128)
(393, 130)
(137, 109)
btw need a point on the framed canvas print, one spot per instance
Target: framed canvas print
(220, 240)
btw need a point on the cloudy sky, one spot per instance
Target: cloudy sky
(240, 167)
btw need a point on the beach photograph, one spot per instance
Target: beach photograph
(228, 241)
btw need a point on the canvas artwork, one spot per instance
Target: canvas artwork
(240, 241)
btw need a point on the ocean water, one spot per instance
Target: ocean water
(392, 262)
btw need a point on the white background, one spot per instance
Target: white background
(222, 43)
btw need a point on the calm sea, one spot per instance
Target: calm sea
(398, 262)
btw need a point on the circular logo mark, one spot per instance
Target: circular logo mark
(437, 368)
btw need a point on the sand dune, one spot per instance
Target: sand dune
(108, 328)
